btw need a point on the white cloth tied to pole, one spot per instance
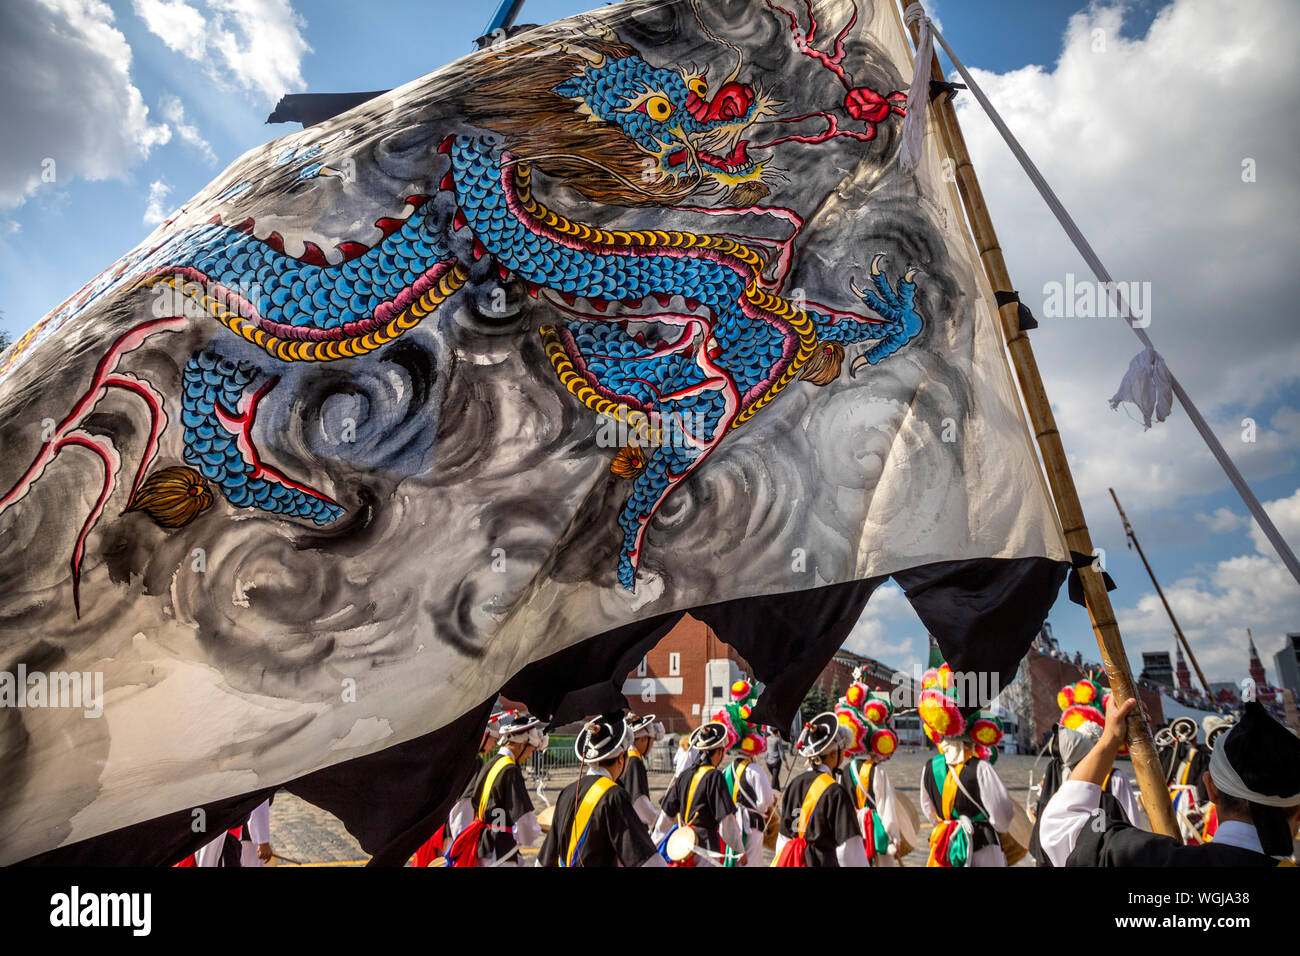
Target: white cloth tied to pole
(919, 92)
(1146, 384)
(918, 97)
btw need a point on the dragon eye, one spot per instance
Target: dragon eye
(657, 108)
(699, 87)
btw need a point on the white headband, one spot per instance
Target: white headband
(1225, 778)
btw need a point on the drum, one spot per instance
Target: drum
(545, 818)
(909, 823)
(773, 829)
(1012, 850)
(681, 844)
(1015, 842)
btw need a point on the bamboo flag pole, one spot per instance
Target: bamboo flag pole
(1132, 535)
(1150, 776)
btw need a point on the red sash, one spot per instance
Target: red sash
(432, 847)
(794, 853)
(464, 849)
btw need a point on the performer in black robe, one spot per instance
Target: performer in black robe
(698, 798)
(634, 779)
(608, 831)
(1254, 779)
(1065, 749)
(503, 817)
(830, 834)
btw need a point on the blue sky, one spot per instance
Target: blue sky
(1143, 141)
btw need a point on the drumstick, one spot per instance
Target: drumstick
(286, 859)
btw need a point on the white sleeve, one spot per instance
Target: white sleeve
(852, 852)
(781, 841)
(661, 828)
(994, 796)
(1122, 791)
(729, 830)
(259, 823)
(927, 808)
(886, 804)
(210, 853)
(762, 786)
(527, 830)
(645, 810)
(1065, 815)
(459, 818)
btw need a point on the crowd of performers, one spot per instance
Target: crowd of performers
(721, 808)
(1237, 795)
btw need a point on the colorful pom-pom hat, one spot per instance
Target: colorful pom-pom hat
(1084, 702)
(942, 716)
(937, 706)
(866, 714)
(742, 735)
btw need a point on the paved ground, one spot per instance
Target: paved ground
(308, 834)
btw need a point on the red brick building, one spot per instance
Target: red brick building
(685, 677)
(1048, 674)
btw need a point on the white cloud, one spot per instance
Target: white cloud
(887, 615)
(173, 111)
(255, 45)
(1214, 606)
(71, 109)
(1285, 513)
(1144, 143)
(1223, 520)
(176, 23)
(154, 211)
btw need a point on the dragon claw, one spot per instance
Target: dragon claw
(895, 305)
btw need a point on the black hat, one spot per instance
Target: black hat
(819, 735)
(642, 726)
(709, 736)
(515, 724)
(1259, 761)
(602, 738)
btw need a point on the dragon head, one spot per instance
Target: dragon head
(596, 115)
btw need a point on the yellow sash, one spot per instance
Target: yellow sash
(738, 771)
(863, 787)
(687, 818)
(585, 809)
(1187, 767)
(495, 772)
(633, 752)
(809, 804)
(950, 789)
(810, 801)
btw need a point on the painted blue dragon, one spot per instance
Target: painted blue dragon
(678, 337)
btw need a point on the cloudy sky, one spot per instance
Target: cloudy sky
(1170, 129)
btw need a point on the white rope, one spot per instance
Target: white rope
(1112, 290)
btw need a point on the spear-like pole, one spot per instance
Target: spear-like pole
(1146, 765)
(1132, 536)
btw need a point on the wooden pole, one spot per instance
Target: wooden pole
(1150, 776)
(1132, 535)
